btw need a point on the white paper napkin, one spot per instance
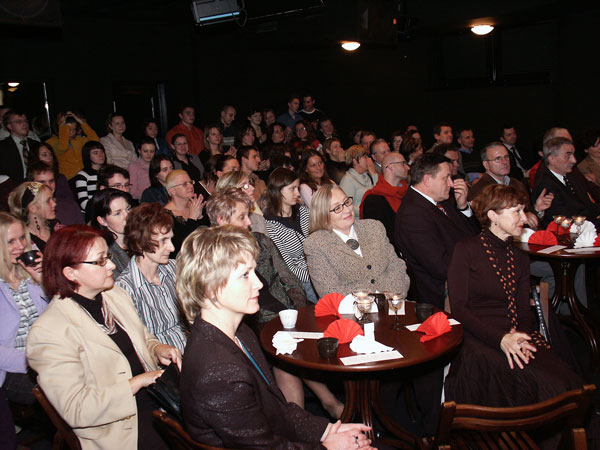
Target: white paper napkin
(284, 343)
(347, 305)
(525, 235)
(361, 344)
(586, 239)
(588, 226)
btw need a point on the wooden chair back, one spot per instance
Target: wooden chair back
(175, 435)
(64, 433)
(500, 427)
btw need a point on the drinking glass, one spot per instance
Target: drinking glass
(363, 305)
(395, 302)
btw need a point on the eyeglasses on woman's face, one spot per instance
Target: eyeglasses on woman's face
(339, 208)
(99, 262)
(185, 183)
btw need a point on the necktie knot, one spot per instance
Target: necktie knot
(440, 207)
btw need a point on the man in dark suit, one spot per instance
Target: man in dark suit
(429, 223)
(15, 149)
(519, 161)
(574, 195)
(496, 162)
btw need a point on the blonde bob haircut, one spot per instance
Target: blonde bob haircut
(205, 262)
(223, 204)
(319, 208)
(6, 266)
(354, 153)
(232, 179)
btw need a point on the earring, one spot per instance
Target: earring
(37, 225)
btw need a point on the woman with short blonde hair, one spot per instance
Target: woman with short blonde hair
(227, 394)
(371, 262)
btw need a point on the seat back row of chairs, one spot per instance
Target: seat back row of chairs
(460, 426)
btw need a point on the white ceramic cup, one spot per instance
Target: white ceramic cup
(288, 317)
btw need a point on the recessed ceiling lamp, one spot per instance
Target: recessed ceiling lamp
(13, 84)
(350, 46)
(482, 29)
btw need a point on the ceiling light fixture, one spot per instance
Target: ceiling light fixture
(350, 46)
(482, 30)
(13, 84)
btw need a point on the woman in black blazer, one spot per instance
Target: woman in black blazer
(228, 394)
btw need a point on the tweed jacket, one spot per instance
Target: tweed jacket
(83, 372)
(335, 267)
(226, 402)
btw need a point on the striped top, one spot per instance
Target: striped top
(290, 241)
(85, 186)
(156, 305)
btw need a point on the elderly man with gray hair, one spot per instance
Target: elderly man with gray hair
(573, 193)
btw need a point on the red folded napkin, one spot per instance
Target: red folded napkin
(543, 237)
(343, 329)
(434, 326)
(553, 227)
(597, 241)
(329, 305)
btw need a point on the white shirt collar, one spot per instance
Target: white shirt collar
(560, 177)
(505, 181)
(425, 195)
(346, 238)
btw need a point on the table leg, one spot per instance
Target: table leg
(362, 397)
(564, 275)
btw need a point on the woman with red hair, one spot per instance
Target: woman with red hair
(93, 355)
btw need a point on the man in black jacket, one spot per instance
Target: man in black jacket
(16, 148)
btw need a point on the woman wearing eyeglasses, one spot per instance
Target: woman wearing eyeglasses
(343, 254)
(92, 354)
(185, 206)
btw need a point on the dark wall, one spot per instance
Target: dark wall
(377, 88)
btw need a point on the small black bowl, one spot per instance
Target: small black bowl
(328, 347)
(423, 310)
(28, 258)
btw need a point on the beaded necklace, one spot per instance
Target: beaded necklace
(507, 276)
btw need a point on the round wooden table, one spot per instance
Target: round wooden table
(564, 266)
(361, 383)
